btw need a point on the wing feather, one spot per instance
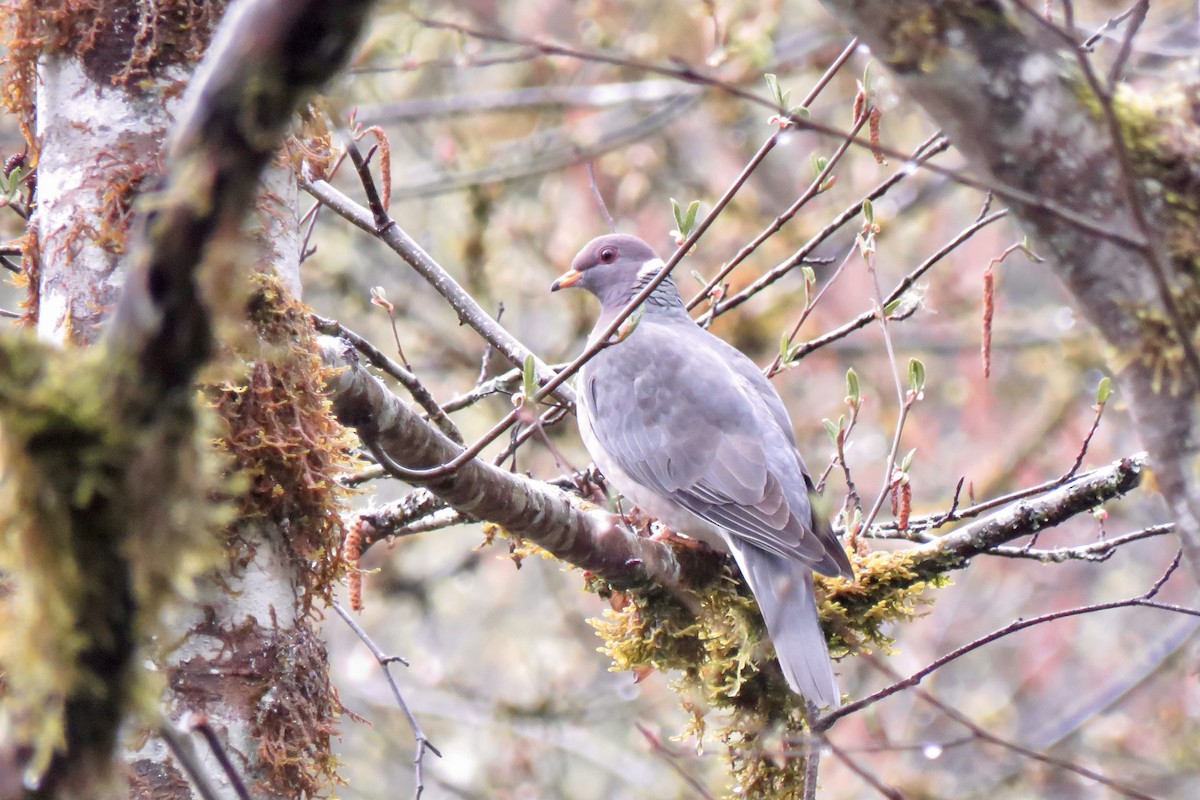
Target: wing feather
(697, 423)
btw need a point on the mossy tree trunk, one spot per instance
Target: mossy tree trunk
(164, 581)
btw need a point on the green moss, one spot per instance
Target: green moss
(287, 448)
(1164, 149)
(101, 521)
(714, 636)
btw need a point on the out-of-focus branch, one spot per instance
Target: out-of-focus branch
(526, 98)
(214, 160)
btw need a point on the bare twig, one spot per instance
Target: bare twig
(1137, 18)
(929, 148)
(385, 663)
(1143, 599)
(817, 185)
(407, 379)
(199, 724)
(1101, 550)
(460, 300)
(672, 760)
(591, 170)
(875, 783)
(184, 750)
(909, 280)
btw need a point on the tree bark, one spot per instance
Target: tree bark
(118, 499)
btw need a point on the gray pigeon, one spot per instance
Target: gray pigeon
(689, 430)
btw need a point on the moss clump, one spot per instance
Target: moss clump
(284, 440)
(714, 635)
(889, 588)
(299, 709)
(103, 518)
(1164, 149)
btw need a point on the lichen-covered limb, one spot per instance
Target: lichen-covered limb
(588, 538)
(1014, 100)
(1030, 516)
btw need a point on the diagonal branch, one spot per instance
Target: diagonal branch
(587, 537)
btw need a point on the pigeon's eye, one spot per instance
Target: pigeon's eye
(608, 255)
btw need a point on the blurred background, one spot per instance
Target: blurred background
(489, 142)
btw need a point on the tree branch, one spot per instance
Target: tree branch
(589, 538)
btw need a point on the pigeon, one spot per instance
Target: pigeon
(688, 429)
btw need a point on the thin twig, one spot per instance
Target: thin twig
(184, 750)
(1138, 17)
(1016, 625)
(200, 724)
(672, 761)
(376, 357)
(934, 145)
(875, 783)
(690, 74)
(385, 662)
(909, 280)
(814, 188)
(1096, 551)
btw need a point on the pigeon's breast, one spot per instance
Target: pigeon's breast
(646, 499)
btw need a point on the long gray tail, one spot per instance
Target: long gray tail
(783, 589)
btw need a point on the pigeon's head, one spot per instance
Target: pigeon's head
(611, 267)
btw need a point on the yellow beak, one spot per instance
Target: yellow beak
(568, 278)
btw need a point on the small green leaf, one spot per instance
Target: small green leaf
(631, 324)
(678, 213)
(684, 220)
(819, 163)
(776, 92)
(799, 112)
(892, 306)
(906, 462)
(916, 376)
(528, 377)
(1103, 391)
(13, 180)
(784, 347)
(868, 212)
(832, 429)
(852, 384)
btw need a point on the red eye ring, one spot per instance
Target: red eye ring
(608, 255)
